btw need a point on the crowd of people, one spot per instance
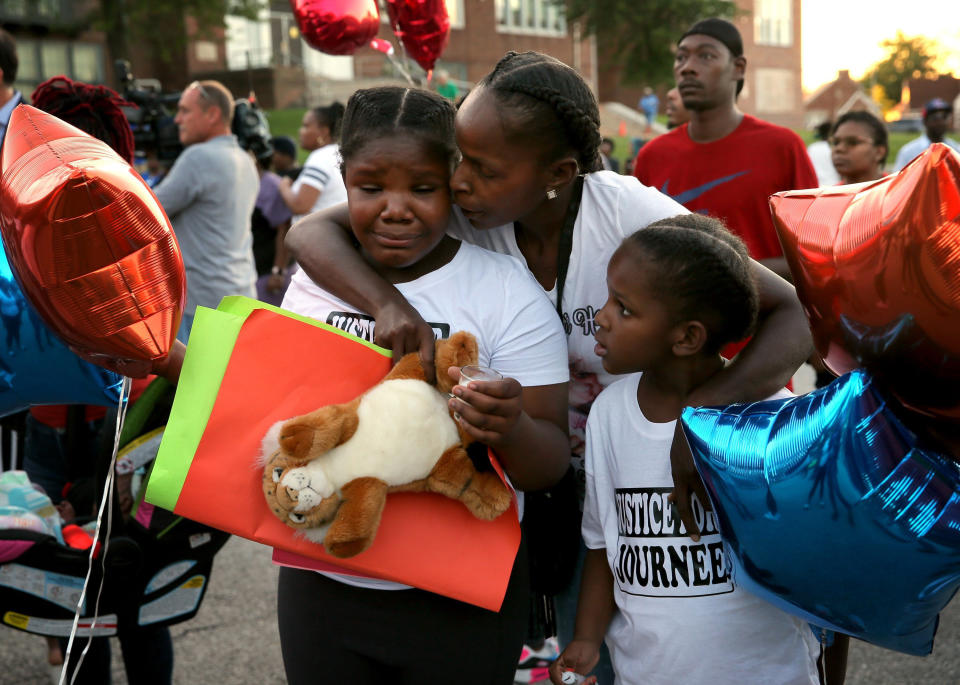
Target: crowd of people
(608, 302)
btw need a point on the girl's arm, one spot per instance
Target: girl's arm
(595, 609)
(780, 345)
(527, 427)
(299, 202)
(322, 244)
(281, 259)
(168, 367)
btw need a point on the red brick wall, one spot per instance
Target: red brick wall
(771, 57)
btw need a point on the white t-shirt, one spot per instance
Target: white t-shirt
(322, 171)
(914, 147)
(679, 617)
(822, 159)
(612, 207)
(490, 295)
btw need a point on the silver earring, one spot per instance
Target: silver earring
(552, 194)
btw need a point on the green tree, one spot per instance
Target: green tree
(906, 58)
(161, 24)
(639, 35)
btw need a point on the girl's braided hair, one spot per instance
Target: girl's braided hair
(702, 272)
(375, 112)
(330, 116)
(555, 105)
(92, 109)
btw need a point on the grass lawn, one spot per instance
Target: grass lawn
(286, 122)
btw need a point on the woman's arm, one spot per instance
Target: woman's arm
(301, 201)
(527, 427)
(281, 259)
(168, 367)
(322, 243)
(780, 345)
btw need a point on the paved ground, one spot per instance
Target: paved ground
(234, 641)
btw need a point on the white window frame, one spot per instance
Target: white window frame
(249, 36)
(544, 11)
(773, 23)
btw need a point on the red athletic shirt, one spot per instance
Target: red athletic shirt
(730, 178)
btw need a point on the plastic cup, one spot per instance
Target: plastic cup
(476, 373)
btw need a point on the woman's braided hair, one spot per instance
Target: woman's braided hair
(92, 109)
(555, 105)
(375, 112)
(702, 272)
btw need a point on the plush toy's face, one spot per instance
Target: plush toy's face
(299, 508)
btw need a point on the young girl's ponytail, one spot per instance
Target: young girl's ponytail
(330, 116)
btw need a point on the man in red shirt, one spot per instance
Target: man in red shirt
(723, 162)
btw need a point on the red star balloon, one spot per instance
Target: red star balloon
(423, 26)
(337, 27)
(90, 245)
(877, 267)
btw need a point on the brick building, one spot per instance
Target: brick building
(273, 44)
(55, 37)
(839, 96)
(918, 91)
(47, 45)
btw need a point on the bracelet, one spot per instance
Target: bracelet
(276, 270)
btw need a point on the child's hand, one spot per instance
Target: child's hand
(488, 410)
(580, 656)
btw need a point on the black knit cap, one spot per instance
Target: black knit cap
(721, 30)
(285, 145)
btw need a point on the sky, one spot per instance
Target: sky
(846, 34)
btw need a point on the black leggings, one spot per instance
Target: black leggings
(331, 632)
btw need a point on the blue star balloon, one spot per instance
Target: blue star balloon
(35, 366)
(830, 510)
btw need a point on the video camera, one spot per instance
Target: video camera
(154, 129)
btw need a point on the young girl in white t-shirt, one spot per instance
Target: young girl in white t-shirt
(319, 183)
(678, 291)
(398, 152)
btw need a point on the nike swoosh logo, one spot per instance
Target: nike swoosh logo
(692, 194)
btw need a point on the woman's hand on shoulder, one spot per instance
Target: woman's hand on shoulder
(401, 329)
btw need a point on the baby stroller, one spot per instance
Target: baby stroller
(155, 567)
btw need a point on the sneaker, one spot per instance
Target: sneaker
(534, 663)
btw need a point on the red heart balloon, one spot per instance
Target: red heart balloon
(877, 267)
(423, 26)
(337, 27)
(88, 242)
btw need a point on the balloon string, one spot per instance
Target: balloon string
(399, 67)
(106, 502)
